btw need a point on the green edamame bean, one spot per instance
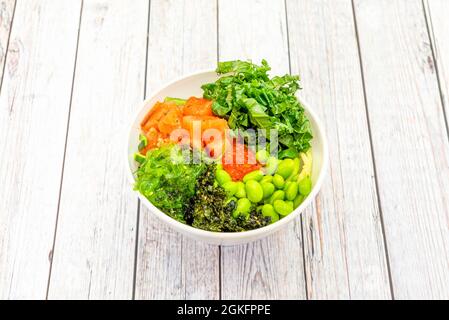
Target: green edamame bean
(277, 195)
(266, 179)
(254, 191)
(222, 177)
(296, 167)
(230, 188)
(262, 156)
(268, 211)
(243, 207)
(305, 186)
(271, 165)
(230, 200)
(274, 218)
(286, 185)
(241, 192)
(268, 189)
(298, 200)
(278, 181)
(255, 175)
(282, 207)
(285, 168)
(292, 191)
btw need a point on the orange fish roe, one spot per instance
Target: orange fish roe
(238, 171)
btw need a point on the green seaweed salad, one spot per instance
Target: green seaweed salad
(189, 193)
(208, 195)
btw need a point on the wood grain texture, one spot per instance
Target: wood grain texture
(335, 251)
(410, 144)
(95, 239)
(271, 268)
(182, 39)
(34, 106)
(437, 12)
(6, 18)
(344, 249)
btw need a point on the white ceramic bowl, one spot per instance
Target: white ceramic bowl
(191, 86)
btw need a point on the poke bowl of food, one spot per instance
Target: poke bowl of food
(227, 156)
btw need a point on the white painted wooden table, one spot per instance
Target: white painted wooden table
(73, 73)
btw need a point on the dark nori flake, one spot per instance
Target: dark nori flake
(208, 209)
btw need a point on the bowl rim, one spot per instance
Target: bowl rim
(250, 234)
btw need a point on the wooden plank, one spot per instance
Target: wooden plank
(182, 39)
(34, 106)
(437, 12)
(410, 144)
(271, 268)
(6, 18)
(95, 239)
(344, 249)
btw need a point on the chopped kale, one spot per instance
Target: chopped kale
(248, 98)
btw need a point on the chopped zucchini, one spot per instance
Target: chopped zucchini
(178, 101)
(143, 142)
(140, 158)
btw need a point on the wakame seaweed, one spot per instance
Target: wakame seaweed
(167, 180)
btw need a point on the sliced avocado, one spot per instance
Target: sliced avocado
(143, 142)
(306, 170)
(140, 158)
(178, 101)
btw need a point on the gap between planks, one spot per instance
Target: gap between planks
(430, 31)
(65, 151)
(136, 250)
(301, 216)
(5, 56)
(376, 181)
